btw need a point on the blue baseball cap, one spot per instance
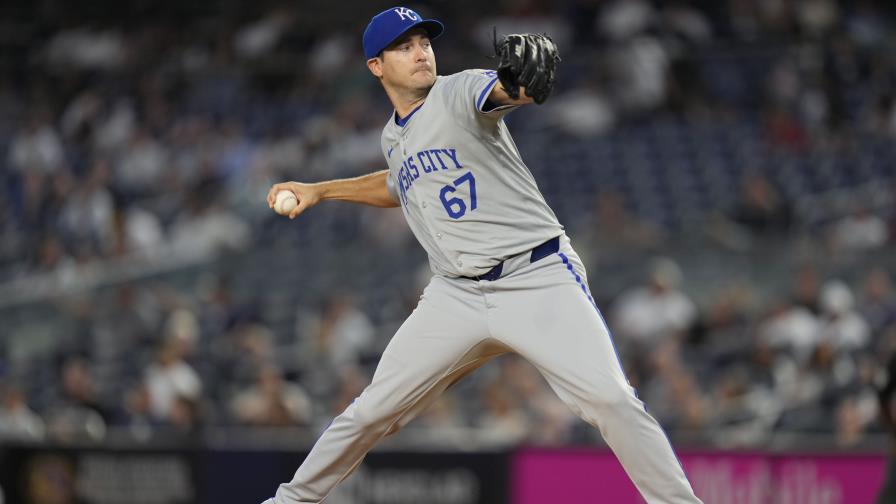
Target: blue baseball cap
(387, 26)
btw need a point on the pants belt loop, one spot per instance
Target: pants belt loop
(540, 252)
(545, 249)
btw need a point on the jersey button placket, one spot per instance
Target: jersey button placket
(431, 223)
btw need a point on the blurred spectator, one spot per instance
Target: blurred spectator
(623, 19)
(749, 398)
(206, 229)
(77, 413)
(687, 91)
(501, 419)
(723, 332)
(730, 397)
(760, 208)
(853, 415)
(272, 401)
(170, 378)
(886, 385)
(88, 214)
(126, 321)
(656, 312)
(611, 230)
(341, 337)
(331, 54)
(37, 147)
(581, 112)
(115, 127)
(137, 231)
(783, 130)
(883, 117)
(859, 408)
(235, 152)
(672, 393)
(80, 115)
(878, 303)
(386, 229)
(443, 422)
(861, 230)
(774, 377)
(552, 421)
(244, 351)
(52, 256)
(640, 65)
(185, 418)
(86, 48)
(218, 311)
(31, 204)
(260, 37)
(866, 23)
(792, 328)
(842, 326)
(141, 167)
(17, 420)
(182, 330)
(281, 153)
(827, 376)
(805, 288)
(354, 145)
(276, 156)
(136, 412)
(686, 20)
(817, 17)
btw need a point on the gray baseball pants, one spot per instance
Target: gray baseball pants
(542, 311)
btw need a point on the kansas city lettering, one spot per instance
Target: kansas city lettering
(425, 162)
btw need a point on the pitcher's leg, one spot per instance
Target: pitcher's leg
(445, 338)
(558, 329)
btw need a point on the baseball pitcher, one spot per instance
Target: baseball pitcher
(505, 278)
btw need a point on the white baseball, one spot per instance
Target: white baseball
(284, 202)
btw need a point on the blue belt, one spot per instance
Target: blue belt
(540, 252)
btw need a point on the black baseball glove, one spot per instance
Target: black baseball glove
(528, 60)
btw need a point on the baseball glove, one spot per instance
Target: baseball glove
(528, 60)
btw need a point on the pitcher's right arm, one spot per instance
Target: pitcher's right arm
(371, 189)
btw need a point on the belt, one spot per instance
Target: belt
(540, 252)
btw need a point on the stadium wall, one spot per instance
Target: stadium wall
(42, 474)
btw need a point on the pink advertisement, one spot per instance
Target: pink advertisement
(589, 476)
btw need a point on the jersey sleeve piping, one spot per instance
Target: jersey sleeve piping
(482, 100)
(485, 91)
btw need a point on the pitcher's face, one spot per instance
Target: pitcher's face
(407, 63)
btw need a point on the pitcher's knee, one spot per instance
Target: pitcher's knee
(616, 397)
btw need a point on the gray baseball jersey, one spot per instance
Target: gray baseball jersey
(462, 184)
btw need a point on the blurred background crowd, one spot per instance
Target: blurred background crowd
(726, 169)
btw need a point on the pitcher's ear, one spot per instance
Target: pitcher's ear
(376, 66)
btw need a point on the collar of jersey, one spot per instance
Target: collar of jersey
(401, 121)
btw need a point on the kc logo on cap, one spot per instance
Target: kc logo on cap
(404, 12)
(390, 24)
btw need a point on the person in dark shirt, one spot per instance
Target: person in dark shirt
(885, 396)
(761, 209)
